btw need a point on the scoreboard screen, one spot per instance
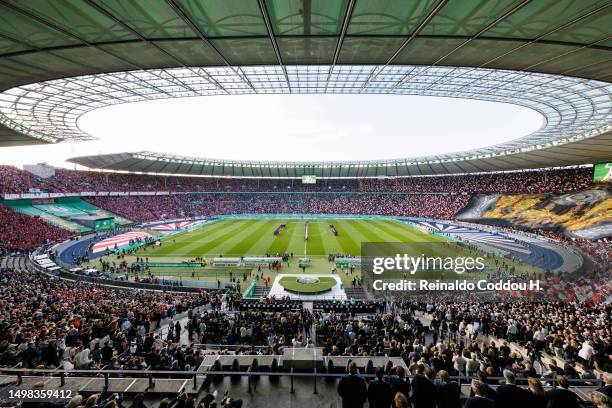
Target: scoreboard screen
(309, 179)
(602, 173)
(106, 224)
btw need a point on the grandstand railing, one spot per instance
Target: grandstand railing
(20, 373)
(117, 283)
(216, 347)
(129, 284)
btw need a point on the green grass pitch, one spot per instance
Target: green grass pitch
(254, 237)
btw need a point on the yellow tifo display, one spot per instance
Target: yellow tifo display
(574, 212)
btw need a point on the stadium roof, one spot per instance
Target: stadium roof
(595, 149)
(47, 39)
(229, 46)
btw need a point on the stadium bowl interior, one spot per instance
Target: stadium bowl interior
(143, 276)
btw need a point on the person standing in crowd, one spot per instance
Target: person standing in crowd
(353, 389)
(509, 395)
(424, 391)
(562, 397)
(607, 388)
(538, 395)
(379, 391)
(489, 392)
(448, 391)
(401, 401)
(479, 399)
(397, 380)
(600, 400)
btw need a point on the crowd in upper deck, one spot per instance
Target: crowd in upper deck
(152, 208)
(15, 180)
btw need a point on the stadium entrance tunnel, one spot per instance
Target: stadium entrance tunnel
(311, 127)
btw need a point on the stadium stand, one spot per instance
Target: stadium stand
(153, 208)
(172, 332)
(131, 328)
(545, 181)
(414, 203)
(63, 214)
(71, 181)
(20, 232)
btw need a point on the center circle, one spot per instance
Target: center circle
(308, 280)
(307, 284)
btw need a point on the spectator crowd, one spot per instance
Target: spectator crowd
(46, 322)
(430, 389)
(15, 180)
(19, 232)
(440, 197)
(153, 208)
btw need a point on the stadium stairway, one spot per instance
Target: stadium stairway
(14, 262)
(354, 293)
(260, 291)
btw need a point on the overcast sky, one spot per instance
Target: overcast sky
(291, 127)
